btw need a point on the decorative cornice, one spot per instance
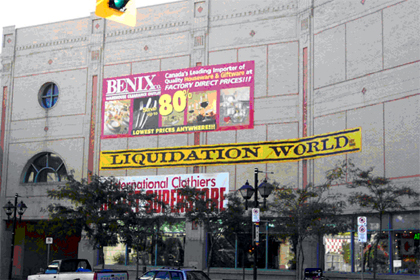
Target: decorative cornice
(211, 18)
(52, 43)
(254, 12)
(161, 26)
(146, 28)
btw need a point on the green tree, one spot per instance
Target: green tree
(101, 208)
(217, 223)
(376, 194)
(137, 226)
(304, 213)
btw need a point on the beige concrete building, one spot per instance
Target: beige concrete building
(320, 66)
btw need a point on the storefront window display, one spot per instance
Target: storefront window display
(406, 247)
(114, 254)
(236, 251)
(246, 252)
(337, 252)
(170, 249)
(406, 243)
(164, 248)
(223, 254)
(369, 252)
(398, 247)
(145, 252)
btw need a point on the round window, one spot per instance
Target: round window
(48, 95)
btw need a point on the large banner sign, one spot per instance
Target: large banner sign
(215, 186)
(322, 145)
(204, 98)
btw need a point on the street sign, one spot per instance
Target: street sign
(257, 234)
(49, 240)
(255, 215)
(362, 229)
(361, 221)
(362, 233)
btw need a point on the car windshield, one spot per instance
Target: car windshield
(197, 275)
(52, 268)
(148, 276)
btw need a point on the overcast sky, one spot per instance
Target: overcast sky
(23, 13)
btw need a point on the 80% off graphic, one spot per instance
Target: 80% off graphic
(177, 102)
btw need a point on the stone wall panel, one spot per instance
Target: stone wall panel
(401, 33)
(283, 65)
(402, 134)
(330, 56)
(71, 100)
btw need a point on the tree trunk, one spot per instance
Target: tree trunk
(375, 250)
(137, 263)
(303, 260)
(299, 259)
(369, 259)
(101, 257)
(210, 253)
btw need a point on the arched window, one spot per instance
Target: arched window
(44, 168)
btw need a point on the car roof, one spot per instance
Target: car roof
(177, 268)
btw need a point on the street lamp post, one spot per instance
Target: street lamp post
(247, 191)
(14, 209)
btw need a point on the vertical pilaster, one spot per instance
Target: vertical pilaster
(305, 35)
(199, 45)
(313, 248)
(95, 75)
(199, 32)
(195, 242)
(8, 42)
(93, 114)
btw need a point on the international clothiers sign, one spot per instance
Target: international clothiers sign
(322, 145)
(203, 98)
(214, 185)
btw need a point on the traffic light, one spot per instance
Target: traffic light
(122, 11)
(119, 5)
(251, 249)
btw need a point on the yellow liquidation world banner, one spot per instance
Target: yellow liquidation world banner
(316, 146)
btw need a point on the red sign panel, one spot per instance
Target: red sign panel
(203, 98)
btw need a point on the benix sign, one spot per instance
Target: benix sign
(215, 186)
(322, 145)
(204, 98)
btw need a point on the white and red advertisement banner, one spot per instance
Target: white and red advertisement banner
(202, 98)
(166, 188)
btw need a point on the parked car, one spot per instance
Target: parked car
(76, 269)
(175, 274)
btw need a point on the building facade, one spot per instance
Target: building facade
(318, 67)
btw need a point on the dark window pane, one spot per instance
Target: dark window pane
(47, 175)
(162, 275)
(30, 175)
(41, 161)
(47, 167)
(55, 93)
(49, 95)
(62, 173)
(54, 161)
(197, 275)
(176, 275)
(148, 276)
(48, 91)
